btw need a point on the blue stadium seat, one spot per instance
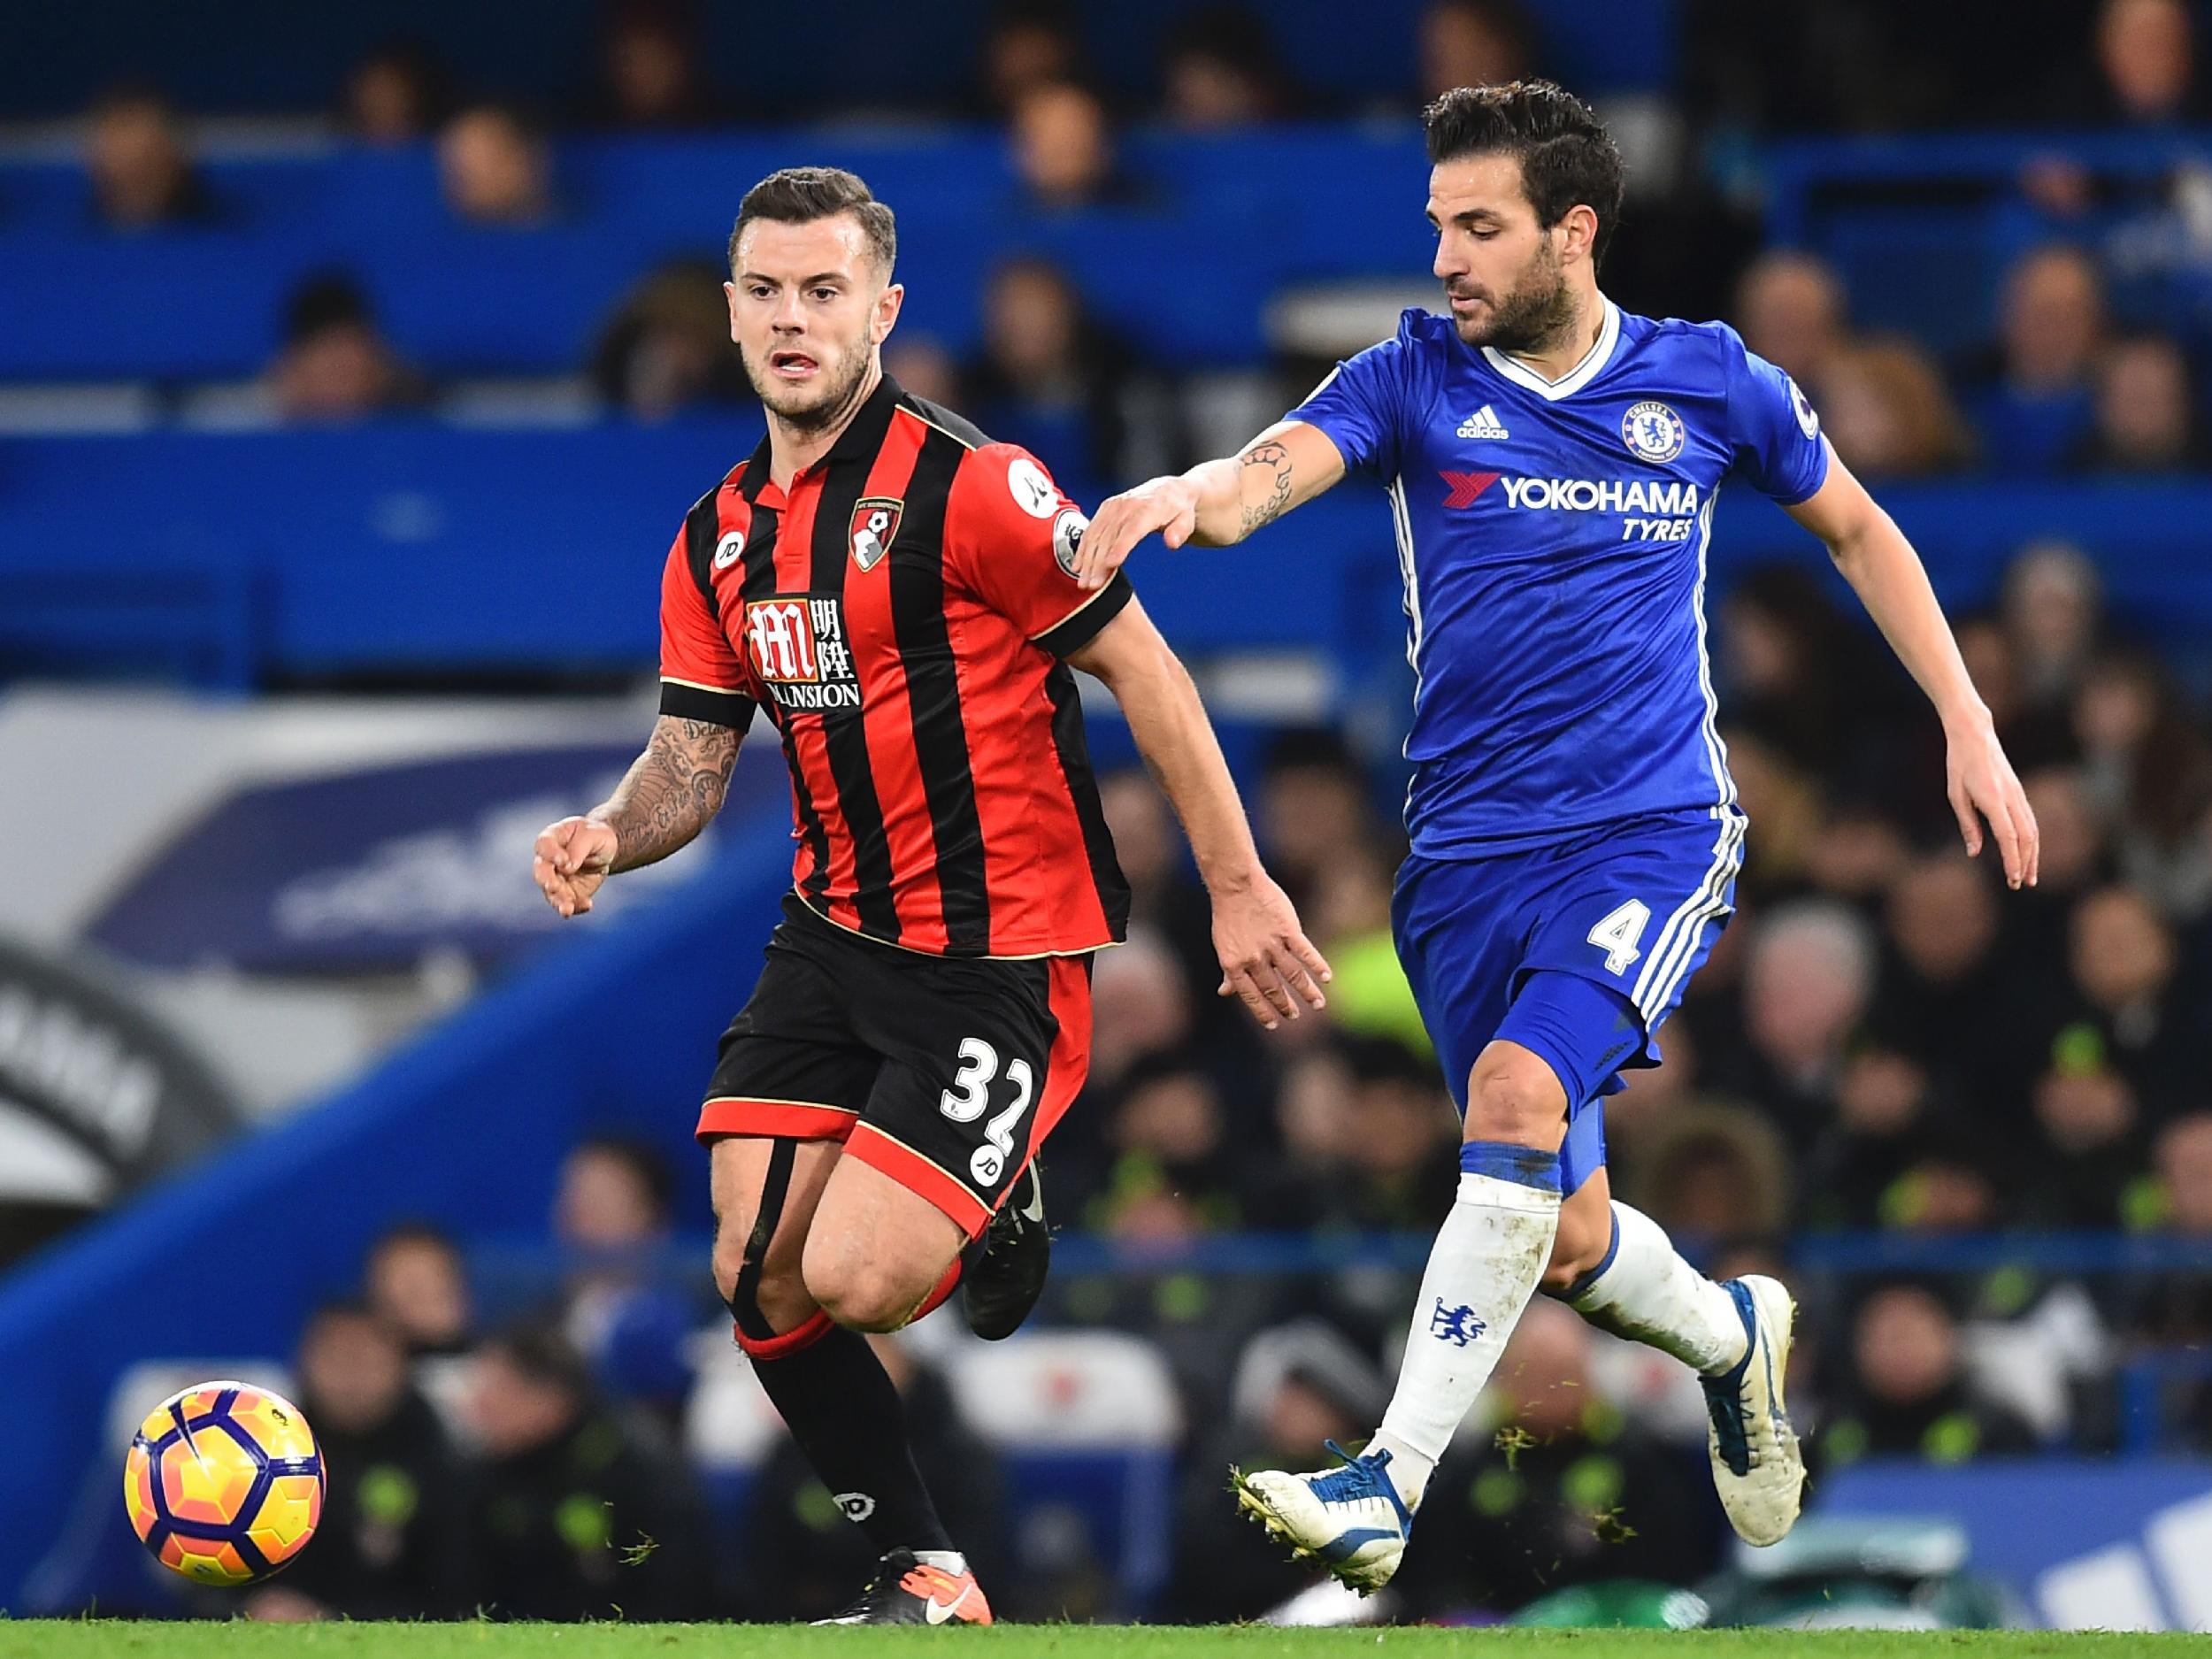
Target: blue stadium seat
(1922, 229)
(1220, 224)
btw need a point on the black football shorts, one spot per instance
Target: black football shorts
(946, 1073)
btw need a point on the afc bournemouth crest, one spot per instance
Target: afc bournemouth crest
(875, 521)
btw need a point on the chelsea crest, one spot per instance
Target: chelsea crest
(1652, 432)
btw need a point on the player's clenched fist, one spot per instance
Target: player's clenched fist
(1167, 505)
(572, 858)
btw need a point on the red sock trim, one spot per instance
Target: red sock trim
(791, 1342)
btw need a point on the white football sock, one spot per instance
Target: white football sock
(1484, 1267)
(950, 1561)
(1648, 1294)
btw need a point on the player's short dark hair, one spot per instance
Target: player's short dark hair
(799, 196)
(1566, 155)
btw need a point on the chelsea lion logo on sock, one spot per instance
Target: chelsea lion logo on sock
(1455, 1326)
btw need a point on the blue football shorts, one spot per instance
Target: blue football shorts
(1578, 949)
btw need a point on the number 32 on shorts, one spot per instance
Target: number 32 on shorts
(971, 1095)
(1618, 933)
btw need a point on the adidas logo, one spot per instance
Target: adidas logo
(1483, 422)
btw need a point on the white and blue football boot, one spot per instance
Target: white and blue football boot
(1350, 1520)
(1755, 1460)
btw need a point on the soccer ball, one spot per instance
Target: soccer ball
(224, 1483)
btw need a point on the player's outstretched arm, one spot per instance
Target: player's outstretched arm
(670, 793)
(1266, 959)
(1886, 573)
(1216, 504)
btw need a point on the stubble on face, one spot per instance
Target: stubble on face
(1535, 316)
(812, 410)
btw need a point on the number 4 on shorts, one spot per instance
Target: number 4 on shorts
(1618, 933)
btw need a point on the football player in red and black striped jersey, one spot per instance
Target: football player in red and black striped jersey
(896, 593)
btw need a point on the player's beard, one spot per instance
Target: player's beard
(1538, 314)
(840, 389)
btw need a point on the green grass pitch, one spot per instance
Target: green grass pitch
(32, 1639)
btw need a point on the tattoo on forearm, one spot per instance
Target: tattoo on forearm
(673, 789)
(1276, 459)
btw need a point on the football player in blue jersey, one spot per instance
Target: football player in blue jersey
(1550, 463)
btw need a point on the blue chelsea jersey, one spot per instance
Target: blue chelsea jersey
(1552, 539)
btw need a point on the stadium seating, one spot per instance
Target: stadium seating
(204, 301)
(411, 524)
(1922, 229)
(914, 55)
(410, 545)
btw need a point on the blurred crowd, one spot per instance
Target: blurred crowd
(2063, 387)
(2090, 366)
(549, 1466)
(536, 1466)
(1886, 1041)
(531, 1469)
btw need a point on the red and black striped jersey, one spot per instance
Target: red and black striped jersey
(901, 612)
